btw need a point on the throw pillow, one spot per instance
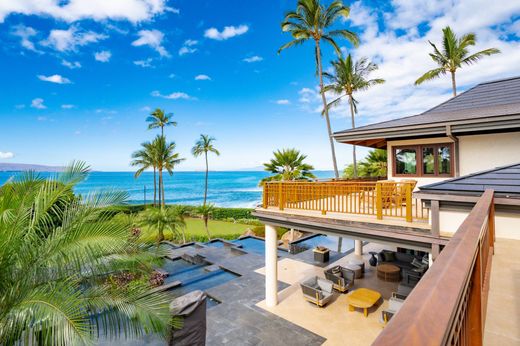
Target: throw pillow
(416, 263)
(336, 271)
(389, 256)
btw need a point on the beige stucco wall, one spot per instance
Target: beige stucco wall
(481, 152)
(507, 224)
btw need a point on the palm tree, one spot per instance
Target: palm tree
(454, 54)
(159, 119)
(348, 78)
(146, 158)
(288, 165)
(204, 146)
(166, 159)
(311, 21)
(205, 211)
(163, 219)
(56, 253)
(374, 165)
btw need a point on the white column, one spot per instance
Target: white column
(271, 266)
(358, 247)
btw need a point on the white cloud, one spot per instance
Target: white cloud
(255, 58)
(146, 108)
(173, 96)
(25, 33)
(396, 43)
(153, 39)
(103, 56)
(74, 10)
(41, 118)
(228, 32)
(283, 102)
(144, 63)
(55, 78)
(70, 39)
(171, 75)
(38, 103)
(202, 77)
(188, 47)
(71, 64)
(67, 106)
(6, 155)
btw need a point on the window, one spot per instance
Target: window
(423, 160)
(406, 161)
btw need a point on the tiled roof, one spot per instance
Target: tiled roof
(505, 181)
(489, 99)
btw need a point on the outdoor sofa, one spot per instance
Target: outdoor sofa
(342, 278)
(412, 267)
(317, 290)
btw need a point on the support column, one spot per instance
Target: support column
(358, 247)
(271, 266)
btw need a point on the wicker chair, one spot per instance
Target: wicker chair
(317, 290)
(342, 278)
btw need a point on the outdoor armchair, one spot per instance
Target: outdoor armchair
(317, 290)
(342, 278)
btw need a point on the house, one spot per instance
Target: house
(477, 130)
(453, 188)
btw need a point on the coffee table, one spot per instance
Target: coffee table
(388, 272)
(362, 298)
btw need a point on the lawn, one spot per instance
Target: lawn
(195, 230)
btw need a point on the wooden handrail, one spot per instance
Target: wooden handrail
(448, 305)
(381, 199)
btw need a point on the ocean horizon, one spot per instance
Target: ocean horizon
(238, 189)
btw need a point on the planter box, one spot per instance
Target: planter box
(321, 256)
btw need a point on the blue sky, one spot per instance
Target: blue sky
(78, 80)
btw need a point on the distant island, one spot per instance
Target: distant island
(17, 167)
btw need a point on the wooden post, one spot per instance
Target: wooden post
(379, 201)
(264, 195)
(475, 326)
(280, 195)
(408, 202)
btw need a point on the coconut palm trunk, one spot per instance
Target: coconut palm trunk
(352, 115)
(206, 220)
(206, 183)
(154, 186)
(453, 83)
(325, 108)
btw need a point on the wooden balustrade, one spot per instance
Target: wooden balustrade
(448, 306)
(381, 199)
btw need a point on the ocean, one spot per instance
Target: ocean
(225, 189)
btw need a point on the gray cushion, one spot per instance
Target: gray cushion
(389, 256)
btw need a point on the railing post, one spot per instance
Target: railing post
(379, 201)
(264, 195)
(408, 202)
(280, 196)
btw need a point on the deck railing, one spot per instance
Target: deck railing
(380, 199)
(448, 306)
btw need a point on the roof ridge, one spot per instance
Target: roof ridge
(451, 99)
(499, 80)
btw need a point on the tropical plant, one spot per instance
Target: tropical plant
(454, 54)
(145, 158)
(288, 164)
(163, 219)
(159, 119)
(205, 211)
(204, 146)
(53, 288)
(166, 159)
(374, 165)
(350, 77)
(313, 21)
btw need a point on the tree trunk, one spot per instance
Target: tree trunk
(161, 197)
(453, 83)
(325, 109)
(154, 186)
(206, 183)
(351, 101)
(160, 236)
(206, 220)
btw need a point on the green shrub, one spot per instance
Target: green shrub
(204, 238)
